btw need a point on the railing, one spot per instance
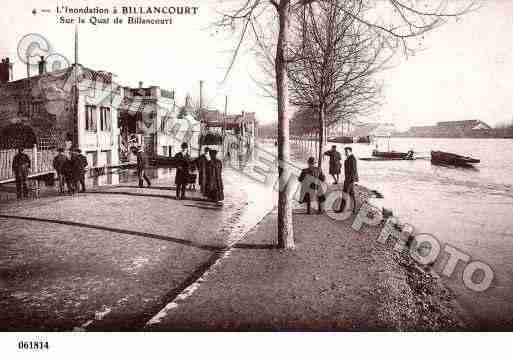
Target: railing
(41, 161)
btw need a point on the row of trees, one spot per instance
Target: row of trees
(322, 56)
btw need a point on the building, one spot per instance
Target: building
(451, 129)
(70, 107)
(237, 131)
(149, 118)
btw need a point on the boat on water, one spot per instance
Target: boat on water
(393, 155)
(341, 139)
(452, 159)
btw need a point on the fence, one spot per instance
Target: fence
(41, 161)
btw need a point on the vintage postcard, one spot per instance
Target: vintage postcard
(255, 166)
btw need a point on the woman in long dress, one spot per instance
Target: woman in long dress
(215, 188)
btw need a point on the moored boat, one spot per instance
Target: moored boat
(341, 139)
(447, 158)
(393, 154)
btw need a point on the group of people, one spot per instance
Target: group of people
(313, 179)
(206, 169)
(70, 170)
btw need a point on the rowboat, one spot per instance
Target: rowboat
(393, 154)
(341, 139)
(447, 158)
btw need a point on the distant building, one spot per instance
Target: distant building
(451, 129)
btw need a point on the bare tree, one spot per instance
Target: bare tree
(398, 20)
(335, 60)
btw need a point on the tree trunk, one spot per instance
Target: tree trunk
(285, 227)
(322, 137)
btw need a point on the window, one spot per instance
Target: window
(90, 118)
(105, 120)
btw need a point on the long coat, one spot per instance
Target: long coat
(215, 188)
(201, 164)
(142, 162)
(350, 170)
(312, 184)
(58, 162)
(20, 165)
(335, 159)
(182, 168)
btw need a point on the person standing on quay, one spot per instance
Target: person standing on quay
(215, 187)
(311, 179)
(182, 160)
(350, 177)
(142, 165)
(201, 164)
(82, 165)
(67, 171)
(20, 168)
(335, 164)
(58, 164)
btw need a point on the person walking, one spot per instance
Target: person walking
(20, 168)
(215, 187)
(142, 166)
(58, 165)
(335, 164)
(201, 165)
(350, 177)
(182, 160)
(311, 179)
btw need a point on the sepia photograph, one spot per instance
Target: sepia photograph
(275, 169)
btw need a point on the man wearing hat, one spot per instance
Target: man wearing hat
(312, 188)
(142, 165)
(182, 161)
(20, 168)
(350, 177)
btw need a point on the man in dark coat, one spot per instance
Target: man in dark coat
(20, 168)
(215, 187)
(182, 160)
(335, 164)
(142, 166)
(67, 171)
(76, 169)
(201, 165)
(311, 179)
(58, 165)
(82, 165)
(350, 177)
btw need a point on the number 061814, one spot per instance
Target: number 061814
(33, 345)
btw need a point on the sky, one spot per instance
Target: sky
(464, 71)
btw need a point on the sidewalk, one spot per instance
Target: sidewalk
(109, 259)
(335, 279)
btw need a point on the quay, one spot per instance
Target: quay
(127, 258)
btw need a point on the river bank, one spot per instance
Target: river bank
(335, 279)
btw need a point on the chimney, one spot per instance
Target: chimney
(5, 71)
(140, 84)
(42, 66)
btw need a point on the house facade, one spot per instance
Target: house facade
(73, 107)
